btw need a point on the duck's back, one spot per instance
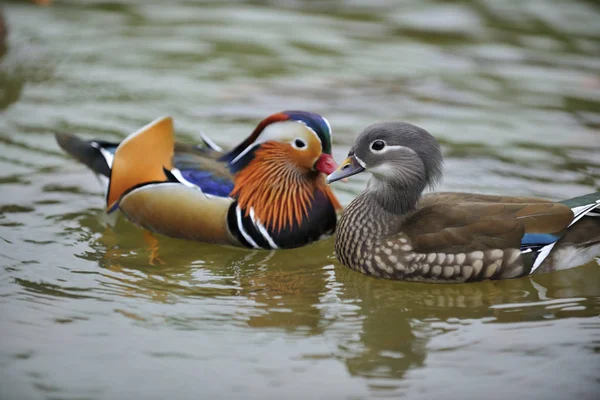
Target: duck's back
(450, 237)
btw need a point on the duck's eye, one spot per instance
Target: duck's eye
(378, 145)
(299, 144)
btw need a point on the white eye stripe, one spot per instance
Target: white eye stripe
(393, 147)
(312, 130)
(279, 132)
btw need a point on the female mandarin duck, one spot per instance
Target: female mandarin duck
(268, 192)
(393, 231)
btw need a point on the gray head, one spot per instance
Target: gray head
(403, 158)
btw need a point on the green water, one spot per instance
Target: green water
(511, 89)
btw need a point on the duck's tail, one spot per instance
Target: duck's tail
(137, 160)
(584, 206)
(582, 235)
(586, 211)
(95, 154)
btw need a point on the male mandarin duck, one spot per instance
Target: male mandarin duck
(393, 231)
(269, 192)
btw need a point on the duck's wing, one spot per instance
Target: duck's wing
(201, 167)
(193, 165)
(461, 227)
(490, 231)
(142, 171)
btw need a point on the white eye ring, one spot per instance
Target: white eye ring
(375, 146)
(299, 144)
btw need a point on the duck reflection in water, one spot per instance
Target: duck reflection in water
(303, 292)
(283, 286)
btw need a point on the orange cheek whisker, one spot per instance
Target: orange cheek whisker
(278, 191)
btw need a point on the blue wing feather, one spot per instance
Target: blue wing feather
(209, 183)
(539, 239)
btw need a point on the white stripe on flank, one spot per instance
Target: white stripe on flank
(263, 231)
(238, 214)
(541, 256)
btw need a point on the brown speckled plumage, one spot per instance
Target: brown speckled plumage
(377, 242)
(449, 237)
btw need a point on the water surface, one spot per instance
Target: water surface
(89, 311)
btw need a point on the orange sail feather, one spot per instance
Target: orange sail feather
(140, 158)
